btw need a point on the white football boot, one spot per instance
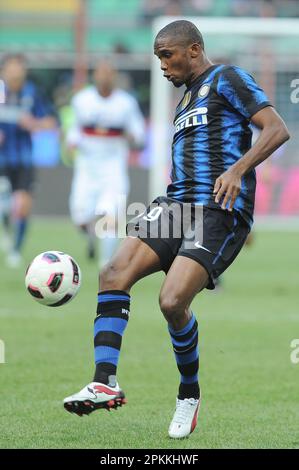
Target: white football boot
(185, 418)
(93, 397)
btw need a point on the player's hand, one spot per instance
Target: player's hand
(228, 187)
(71, 152)
(28, 122)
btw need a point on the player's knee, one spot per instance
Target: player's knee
(107, 276)
(171, 306)
(110, 278)
(22, 204)
(21, 213)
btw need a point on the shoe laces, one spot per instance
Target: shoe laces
(184, 409)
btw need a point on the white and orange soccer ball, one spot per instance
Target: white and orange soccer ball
(53, 278)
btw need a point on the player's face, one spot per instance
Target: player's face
(14, 74)
(175, 59)
(104, 76)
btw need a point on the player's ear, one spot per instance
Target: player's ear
(195, 50)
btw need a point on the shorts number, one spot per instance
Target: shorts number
(153, 214)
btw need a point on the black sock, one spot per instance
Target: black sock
(189, 391)
(185, 346)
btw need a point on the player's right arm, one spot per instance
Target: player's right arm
(135, 124)
(73, 133)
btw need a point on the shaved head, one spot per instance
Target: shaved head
(183, 31)
(104, 76)
(180, 48)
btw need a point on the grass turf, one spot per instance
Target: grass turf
(249, 385)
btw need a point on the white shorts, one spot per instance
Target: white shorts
(97, 191)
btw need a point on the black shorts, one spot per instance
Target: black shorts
(21, 178)
(212, 237)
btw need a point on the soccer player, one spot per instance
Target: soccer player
(23, 113)
(212, 168)
(107, 121)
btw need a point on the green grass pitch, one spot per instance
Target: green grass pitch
(249, 385)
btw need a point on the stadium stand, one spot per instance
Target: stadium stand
(48, 26)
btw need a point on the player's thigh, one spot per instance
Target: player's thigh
(22, 178)
(185, 278)
(82, 199)
(111, 205)
(22, 182)
(132, 261)
(223, 236)
(112, 194)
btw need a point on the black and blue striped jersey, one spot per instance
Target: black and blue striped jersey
(16, 146)
(212, 132)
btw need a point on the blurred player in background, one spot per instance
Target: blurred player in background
(5, 207)
(212, 168)
(23, 113)
(107, 122)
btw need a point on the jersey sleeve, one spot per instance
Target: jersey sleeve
(241, 91)
(73, 133)
(135, 124)
(40, 108)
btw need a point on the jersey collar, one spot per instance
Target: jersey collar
(200, 78)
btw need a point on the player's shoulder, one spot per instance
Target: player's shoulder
(83, 94)
(124, 96)
(234, 71)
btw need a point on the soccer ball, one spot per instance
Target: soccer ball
(53, 278)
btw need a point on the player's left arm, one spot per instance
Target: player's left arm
(32, 124)
(273, 134)
(242, 93)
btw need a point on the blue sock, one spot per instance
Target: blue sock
(185, 346)
(109, 326)
(20, 231)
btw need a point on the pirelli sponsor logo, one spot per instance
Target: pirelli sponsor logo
(194, 117)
